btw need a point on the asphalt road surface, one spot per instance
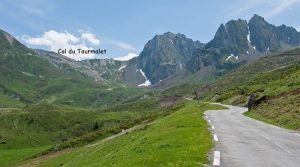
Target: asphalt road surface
(244, 142)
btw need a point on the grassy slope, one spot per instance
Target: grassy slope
(26, 78)
(256, 76)
(179, 139)
(35, 129)
(272, 76)
(281, 106)
(275, 77)
(282, 110)
(9, 157)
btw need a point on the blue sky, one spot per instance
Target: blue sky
(123, 27)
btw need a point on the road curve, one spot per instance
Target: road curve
(245, 142)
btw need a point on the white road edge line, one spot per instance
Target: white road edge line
(216, 137)
(212, 127)
(209, 121)
(206, 117)
(281, 147)
(217, 157)
(297, 134)
(266, 137)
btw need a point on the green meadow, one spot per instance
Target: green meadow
(179, 139)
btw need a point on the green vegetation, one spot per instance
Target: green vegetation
(9, 157)
(180, 91)
(282, 110)
(270, 75)
(273, 78)
(27, 78)
(179, 139)
(41, 128)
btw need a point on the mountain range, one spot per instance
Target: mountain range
(167, 60)
(235, 43)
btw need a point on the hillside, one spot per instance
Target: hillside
(263, 76)
(152, 145)
(275, 80)
(39, 129)
(22, 73)
(32, 76)
(104, 70)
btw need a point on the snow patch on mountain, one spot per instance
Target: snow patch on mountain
(121, 68)
(232, 55)
(248, 36)
(147, 82)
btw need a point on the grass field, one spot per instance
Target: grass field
(38, 128)
(282, 110)
(9, 157)
(179, 139)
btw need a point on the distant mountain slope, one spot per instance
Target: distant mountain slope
(22, 72)
(31, 76)
(108, 69)
(256, 77)
(104, 70)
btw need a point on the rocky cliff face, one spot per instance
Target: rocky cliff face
(239, 37)
(231, 37)
(237, 42)
(165, 55)
(267, 37)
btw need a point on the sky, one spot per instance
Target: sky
(124, 27)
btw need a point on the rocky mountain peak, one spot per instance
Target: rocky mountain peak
(239, 37)
(258, 19)
(232, 37)
(166, 54)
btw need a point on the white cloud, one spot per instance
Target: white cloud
(54, 40)
(129, 56)
(90, 37)
(125, 46)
